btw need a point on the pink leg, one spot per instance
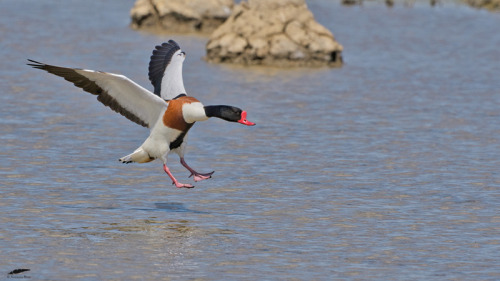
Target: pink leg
(177, 184)
(197, 176)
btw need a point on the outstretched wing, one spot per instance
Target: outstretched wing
(165, 70)
(116, 91)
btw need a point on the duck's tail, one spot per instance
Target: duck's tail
(139, 156)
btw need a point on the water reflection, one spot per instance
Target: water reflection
(176, 207)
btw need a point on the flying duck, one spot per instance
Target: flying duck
(169, 112)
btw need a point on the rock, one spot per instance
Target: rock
(273, 32)
(180, 16)
(353, 2)
(493, 5)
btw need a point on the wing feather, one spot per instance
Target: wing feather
(165, 70)
(113, 90)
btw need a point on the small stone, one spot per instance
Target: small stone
(258, 46)
(282, 46)
(237, 45)
(296, 31)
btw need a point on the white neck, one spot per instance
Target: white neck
(193, 112)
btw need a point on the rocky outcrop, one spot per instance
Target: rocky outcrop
(180, 16)
(273, 32)
(493, 5)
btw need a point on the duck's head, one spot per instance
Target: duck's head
(228, 113)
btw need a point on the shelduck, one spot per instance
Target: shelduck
(169, 112)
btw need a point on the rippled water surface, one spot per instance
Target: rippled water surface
(385, 168)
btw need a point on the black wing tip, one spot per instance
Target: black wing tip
(169, 44)
(34, 61)
(36, 64)
(166, 48)
(50, 68)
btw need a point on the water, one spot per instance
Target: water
(386, 168)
